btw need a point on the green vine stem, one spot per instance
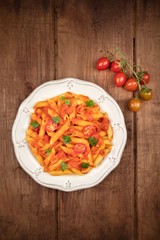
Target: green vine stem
(135, 74)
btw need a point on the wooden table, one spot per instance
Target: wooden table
(41, 40)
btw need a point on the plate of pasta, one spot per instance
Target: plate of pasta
(69, 134)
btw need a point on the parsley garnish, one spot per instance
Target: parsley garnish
(92, 141)
(56, 119)
(63, 98)
(90, 103)
(66, 139)
(63, 166)
(84, 165)
(67, 102)
(48, 151)
(34, 124)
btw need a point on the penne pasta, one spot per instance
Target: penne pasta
(68, 134)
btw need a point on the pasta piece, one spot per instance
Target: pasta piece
(60, 132)
(31, 133)
(59, 173)
(110, 132)
(81, 122)
(108, 150)
(41, 104)
(78, 172)
(52, 113)
(42, 129)
(85, 171)
(36, 118)
(48, 159)
(102, 133)
(97, 115)
(53, 105)
(107, 142)
(67, 150)
(54, 166)
(102, 147)
(37, 155)
(98, 160)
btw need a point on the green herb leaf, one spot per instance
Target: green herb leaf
(85, 165)
(63, 98)
(67, 102)
(92, 141)
(34, 124)
(66, 139)
(90, 103)
(63, 166)
(48, 151)
(56, 119)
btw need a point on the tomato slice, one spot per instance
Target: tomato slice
(79, 148)
(88, 130)
(51, 126)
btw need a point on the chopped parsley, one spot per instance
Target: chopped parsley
(92, 141)
(67, 102)
(48, 151)
(34, 124)
(63, 166)
(85, 165)
(66, 139)
(90, 103)
(63, 98)
(56, 119)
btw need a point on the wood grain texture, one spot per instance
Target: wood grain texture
(26, 60)
(148, 130)
(85, 31)
(46, 39)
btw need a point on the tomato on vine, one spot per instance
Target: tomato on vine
(134, 104)
(145, 77)
(115, 66)
(146, 94)
(120, 79)
(103, 63)
(131, 84)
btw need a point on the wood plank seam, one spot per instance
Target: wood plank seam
(54, 18)
(135, 130)
(55, 40)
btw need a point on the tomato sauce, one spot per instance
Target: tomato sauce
(105, 124)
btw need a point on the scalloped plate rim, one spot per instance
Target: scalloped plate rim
(60, 187)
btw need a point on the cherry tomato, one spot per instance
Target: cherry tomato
(134, 105)
(103, 63)
(146, 94)
(79, 148)
(115, 66)
(51, 126)
(88, 130)
(146, 78)
(131, 84)
(120, 79)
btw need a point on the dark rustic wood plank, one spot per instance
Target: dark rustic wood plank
(27, 210)
(86, 30)
(148, 131)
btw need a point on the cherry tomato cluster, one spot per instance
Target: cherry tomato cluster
(134, 83)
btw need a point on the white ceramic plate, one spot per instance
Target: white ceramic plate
(69, 182)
